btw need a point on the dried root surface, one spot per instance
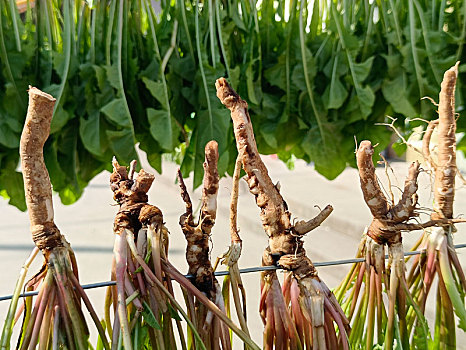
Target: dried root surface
(58, 306)
(310, 304)
(198, 235)
(444, 186)
(36, 178)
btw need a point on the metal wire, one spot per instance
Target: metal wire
(245, 270)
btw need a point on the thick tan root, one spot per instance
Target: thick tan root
(426, 142)
(284, 238)
(274, 211)
(444, 186)
(198, 235)
(235, 238)
(210, 188)
(373, 195)
(383, 228)
(37, 185)
(405, 207)
(285, 249)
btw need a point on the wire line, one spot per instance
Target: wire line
(245, 270)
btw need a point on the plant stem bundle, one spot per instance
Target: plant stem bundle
(313, 309)
(56, 320)
(213, 332)
(439, 257)
(361, 293)
(144, 290)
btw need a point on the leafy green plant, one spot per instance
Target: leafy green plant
(315, 75)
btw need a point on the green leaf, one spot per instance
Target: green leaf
(8, 137)
(92, 135)
(250, 84)
(161, 127)
(112, 76)
(156, 89)
(362, 98)
(276, 75)
(122, 145)
(206, 130)
(116, 112)
(100, 74)
(395, 93)
(322, 146)
(12, 187)
(268, 133)
(399, 148)
(173, 312)
(149, 317)
(60, 117)
(361, 70)
(335, 94)
(360, 104)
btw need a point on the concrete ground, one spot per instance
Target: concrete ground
(87, 225)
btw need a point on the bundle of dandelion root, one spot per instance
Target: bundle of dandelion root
(439, 256)
(366, 309)
(56, 320)
(213, 332)
(302, 314)
(144, 275)
(233, 281)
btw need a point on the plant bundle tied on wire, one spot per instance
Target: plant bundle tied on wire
(233, 281)
(303, 313)
(438, 257)
(56, 320)
(144, 290)
(361, 293)
(213, 332)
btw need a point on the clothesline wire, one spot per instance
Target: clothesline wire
(245, 270)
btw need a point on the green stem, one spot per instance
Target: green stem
(220, 38)
(6, 62)
(212, 33)
(14, 12)
(201, 66)
(95, 318)
(441, 16)
(287, 55)
(120, 268)
(412, 38)
(92, 48)
(120, 74)
(8, 325)
(456, 299)
(462, 36)
(368, 31)
(235, 279)
(186, 28)
(108, 42)
(59, 264)
(154, 279)
(371, 316)
(320, 120)
(429, 51)
(67, 51)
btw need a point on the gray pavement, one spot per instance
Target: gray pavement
(87, 225)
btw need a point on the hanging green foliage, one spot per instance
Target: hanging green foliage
(316, 74)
